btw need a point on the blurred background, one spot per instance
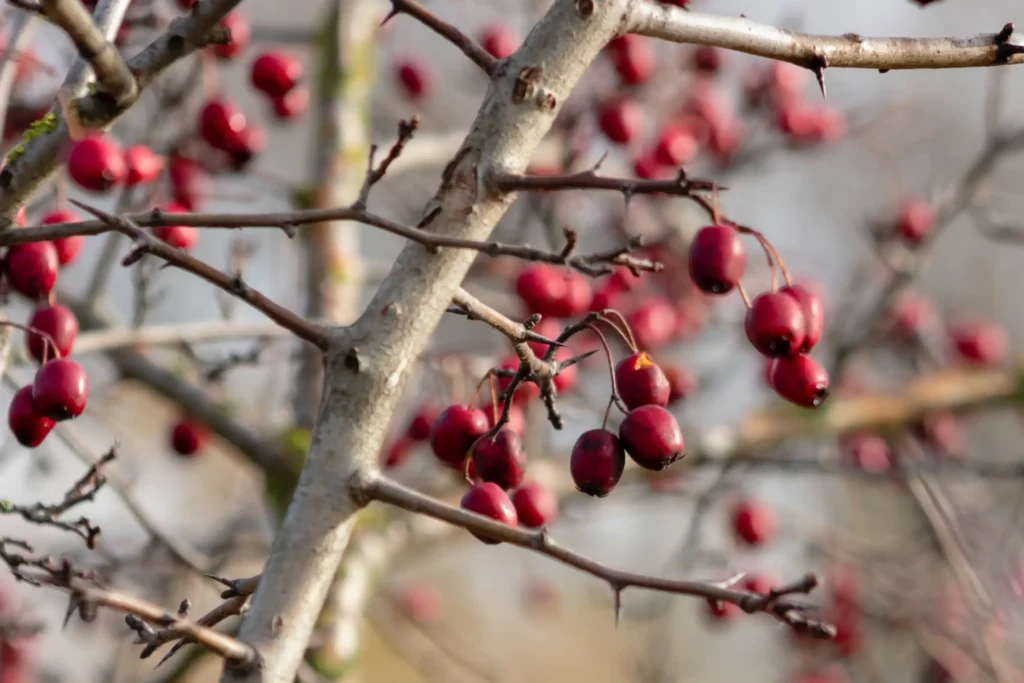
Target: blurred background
(920, 565)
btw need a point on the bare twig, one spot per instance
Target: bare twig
(476, 54)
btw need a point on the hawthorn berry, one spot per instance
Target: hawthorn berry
(415, 79)
(28, 426)
(188, 181)
(775, 325)
(724, 139)
(143, 165)
(178, 236)
(651, 436)
(597, 462)
(849, 638)
(620, 119)
(654, 322)
(397, 452)
(274, 73)
(550, 291)
(717, 259)
(911, 314)
(243, 147)
(501, 460)
(914, 221)
(68, 248)
(720, 612)
(187, 436)
(96, 164)
(455, 431)
(943, 432)
(293, 104)
(59, 323)
(633, 58)
(708, 59)
(800, 380)
(60, 389)
(536, 505)
(32, 268)
(980, 343)
(641, 382)
(868, 452)
(677, 145)
(422, 422)
(648, 167)
(239, 32)
(681, 382)
(752, 523)
(490, 500)
(220, 123)
(499, 40)
(421, 602)
(813, 313)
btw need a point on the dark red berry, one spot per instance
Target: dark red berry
(187, 437)
(641, 382)
(499, 40)
(620, 119)
(677, 144)
(143, 165)
(220, 122)
(752, 522)
(651, 436)
(717, 259)
(633, 57)
(490, 500)
(293, 105)
(708, 59)
(397, 452)
(179, 236)
(501, 461)
(188, 181)
(536, 505)
(422, 422)
(800, 380)
(681, 382)
(654, 323)
(32, 268)
(914, 221)
(455, 431)
(597, 462)
(275, 73)
(28, 426)
(60, 389)
(868, 452)
(61, 326)
(551, 291)
(96, 164)
(239, 33)
(415, 79)
(813, 313)
(982, 344)
(68, 248)
(775, 325)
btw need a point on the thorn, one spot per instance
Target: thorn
(1004, 34)
(618, 605)
(390, 15)
(596, 166)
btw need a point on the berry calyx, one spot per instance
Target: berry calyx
(60, 389)
(455, 431)
(490, 500)
(651, 436)
(536, 505)
(717, 259)
(775, 325)
(32, 268)
(813, 313)
(68, 248)
(620, 119)
(708, 59)
(501, 460)
(187, 437)
(597, 462)
(275, 73)
(752, 523)
(96, 164)
(59, 323)
(641, 381)
(29, 427)
(800, 380)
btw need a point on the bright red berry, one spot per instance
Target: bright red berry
(775, 325)
(293, 104)
(536, 505)
(239, 33)
(275, 73)
(179, 236)
(800, 380)
(490, 500)
(187, 437)
(68, 248)
(849, 636)
(681, 382)
(28, 426)
(415, 79)
(421, 602)
(143, 164)
(32, 268)
(398, 452)
(633, 57)
(641, 382)
(982, 343)
(620, 119)
(597, 462)
(813, 313)
(654, 322)
(915, 220)
(499, 40)
(59, 324)
(651, 436)
(752, 522)
(677, 144)
(96, 163)
(867, 451)
(220, 122)
(648, 167)
(717, 259)
(455, 431)
(501, 461)
(550, 291)
(60, 389)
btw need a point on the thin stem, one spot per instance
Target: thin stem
(625, 332)
(743, 294)
(611, 369)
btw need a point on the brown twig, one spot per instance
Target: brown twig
(680, 186)
(467, 45)
(374, 174)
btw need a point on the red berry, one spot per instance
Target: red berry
(550, 291)
(501, 461)
(651, 436)
(28, 427)
(641, 382)
(187, 4)
(68, 248)
(648, 167)
(547, 327)
(868, 452)
(526, 390)
(489, 500)
(143, 164)
(785, 80)
(455, 431)
(717, 259)
(724, 139)
(96, 164)
(60, 324)
(60, 389)
(275, 73)
(398, 452)
(620, 119)
(536, 505)
(293, 105)
(421, 602)
(188, 181)
(32, 268)
(220, 122)
(239, 33)
(708, 59)
(681, 382)
(597, 462)
(796, 120)
(915, 220)
(633, 57)
(752, 523)
(516, 417)
(677, 144)
(849, 636)
(179, 236)
(980, 343)
(415, 79)
(943, 432)
(421, 423)
(775, 325)
(187, 437)
(499, 41)
(721, 611)
(911, 314)
(244, 146)
(813, 313)
(800, 380)
(759, 583)
(654, 323)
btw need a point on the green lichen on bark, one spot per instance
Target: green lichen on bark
(47, 124)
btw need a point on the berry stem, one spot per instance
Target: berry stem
(624, 331)
(50, 342)
(611, 369)
(479, 386)
(769, 247)
(494, 399)
(743, 294)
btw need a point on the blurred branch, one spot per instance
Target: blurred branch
(23, 25)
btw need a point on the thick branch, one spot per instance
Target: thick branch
(662, 20)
